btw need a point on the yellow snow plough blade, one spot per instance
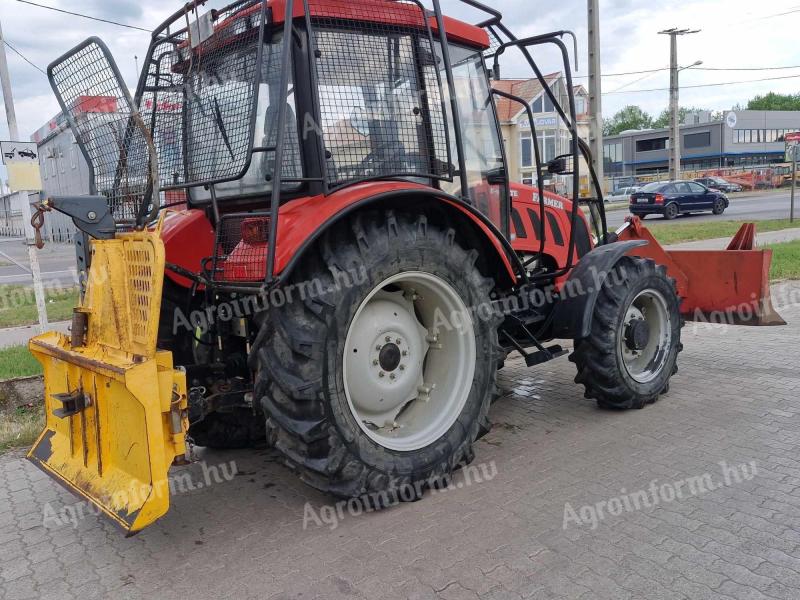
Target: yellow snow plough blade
(115, 406)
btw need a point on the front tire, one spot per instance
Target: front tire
(631, 352)
(340, 409)
(719, 207)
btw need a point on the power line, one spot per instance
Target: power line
(705, 85)
(75, 14)
(23, 57)
(747, 68)
(628, 73)
(643, 71)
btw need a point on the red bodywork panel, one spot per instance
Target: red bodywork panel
(384, 12)
(525, 213)
(188, 239)
(189, 236)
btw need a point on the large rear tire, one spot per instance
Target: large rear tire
(383, 383)
(631, 353)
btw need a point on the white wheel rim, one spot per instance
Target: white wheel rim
(645, 363)
(409, 361)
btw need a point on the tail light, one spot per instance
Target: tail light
(255, 230)
(659, 199)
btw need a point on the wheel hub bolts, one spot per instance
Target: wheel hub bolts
(637, 334)
(389, 357)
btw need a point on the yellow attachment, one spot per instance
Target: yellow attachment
(116, 408)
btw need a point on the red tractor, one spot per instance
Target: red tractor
(306, 207)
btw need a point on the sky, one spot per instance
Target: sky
(734, 34)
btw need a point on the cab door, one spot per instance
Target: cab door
(484, 155)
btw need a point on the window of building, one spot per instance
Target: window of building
(543, 103)
(547, 145)
(526, 151)
(697, 140)
(580, 105)
(759, 136)
(653, 144)
(61, 159)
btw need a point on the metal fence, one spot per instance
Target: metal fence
(57, 227)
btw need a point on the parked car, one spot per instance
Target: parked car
(720, 184)
(672, 198)
(622, 194)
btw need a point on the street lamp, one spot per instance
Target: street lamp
(696, 63)
(675, 149)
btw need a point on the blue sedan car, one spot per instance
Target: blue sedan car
(672, 198)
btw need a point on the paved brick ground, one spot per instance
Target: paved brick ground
(736, 399)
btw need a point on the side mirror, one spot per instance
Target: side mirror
(558, 166)
(496, 176)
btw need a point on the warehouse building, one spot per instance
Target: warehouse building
(741, 138)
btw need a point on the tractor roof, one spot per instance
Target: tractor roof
(383, 12)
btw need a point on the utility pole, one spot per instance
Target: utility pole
(595, 91)
(674, 121)
(794, 182)
(22, 197)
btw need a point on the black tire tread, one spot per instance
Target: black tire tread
(290, 351)
(595, 356)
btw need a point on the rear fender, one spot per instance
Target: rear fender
(303, 222)
(573, 314)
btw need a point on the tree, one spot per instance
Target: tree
(773, 101)
(630, 117)
(663, 118)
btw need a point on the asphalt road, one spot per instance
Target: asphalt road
(763, 206)
(57, 261)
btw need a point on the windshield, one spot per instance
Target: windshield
(257, 178)
(653, 187)
(212, 106)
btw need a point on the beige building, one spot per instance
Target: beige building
(551, 131)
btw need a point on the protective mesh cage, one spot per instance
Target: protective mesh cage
(379, 91)
(115, 144)
(241, 244)
(199, 99)
(494, 43)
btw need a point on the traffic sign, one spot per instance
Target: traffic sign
(19, 152)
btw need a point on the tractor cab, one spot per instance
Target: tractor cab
(357, 93)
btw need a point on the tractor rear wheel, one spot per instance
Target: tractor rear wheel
(631, 353)
(383, 382)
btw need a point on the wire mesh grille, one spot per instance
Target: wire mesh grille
(241, 248)
(140, 261)
(494, 43)
(379, 90)
(99, 110)
(199, 97)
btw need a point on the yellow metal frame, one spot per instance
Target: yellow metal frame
(116, 451)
